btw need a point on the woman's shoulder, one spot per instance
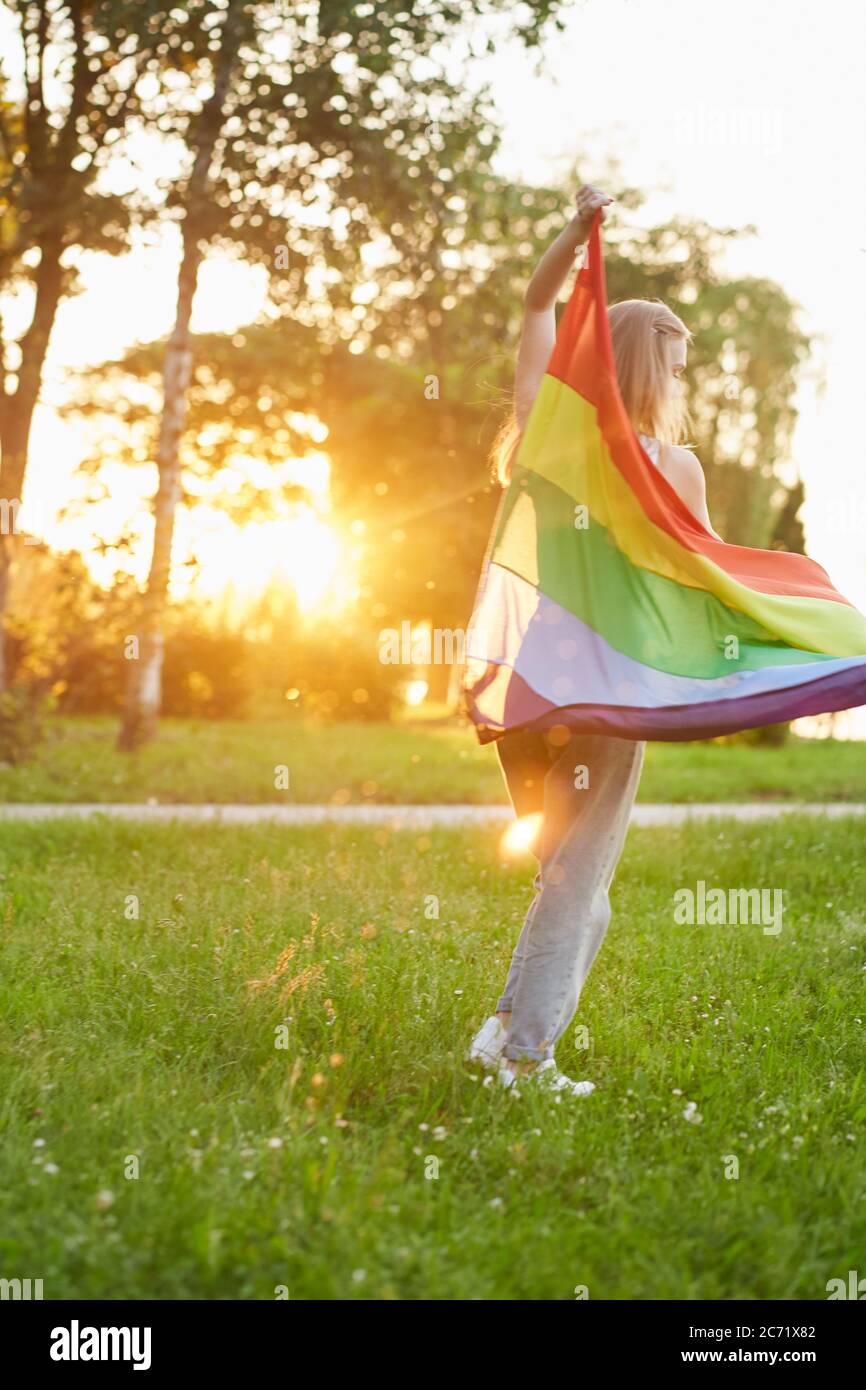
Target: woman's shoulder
(683, 471)
(678, 456)
(679, 465)
(683, 449)
(675, 462)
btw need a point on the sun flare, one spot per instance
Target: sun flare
(520, 837)
(304, 554)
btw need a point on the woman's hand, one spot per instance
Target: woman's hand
(589, 200)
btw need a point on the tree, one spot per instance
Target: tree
(409, 417)
(68, 94)
(144, 690)
(345, 114)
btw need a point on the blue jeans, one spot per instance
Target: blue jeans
(584, 785)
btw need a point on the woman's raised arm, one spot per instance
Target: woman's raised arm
(539, 316)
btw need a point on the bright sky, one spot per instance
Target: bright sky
(735, 113)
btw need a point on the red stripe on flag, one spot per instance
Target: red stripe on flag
(583, 359)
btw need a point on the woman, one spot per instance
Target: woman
(581, 786)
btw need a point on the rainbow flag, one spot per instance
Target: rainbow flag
(606, 606)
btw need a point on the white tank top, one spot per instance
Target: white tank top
(652, 446)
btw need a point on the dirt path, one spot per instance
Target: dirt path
(411, 817)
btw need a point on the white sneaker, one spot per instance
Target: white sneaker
(548, 1078)
(486, 1047)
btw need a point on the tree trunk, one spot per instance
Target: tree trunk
(144, 686)
(5, 585)
(16, 419)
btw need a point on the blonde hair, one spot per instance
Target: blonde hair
(643, 333)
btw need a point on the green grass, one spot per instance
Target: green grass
(261, 1166)
(199, 761)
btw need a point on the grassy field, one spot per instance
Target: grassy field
(384, 764)
(150, 1042)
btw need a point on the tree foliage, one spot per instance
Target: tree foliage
(410, 417)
